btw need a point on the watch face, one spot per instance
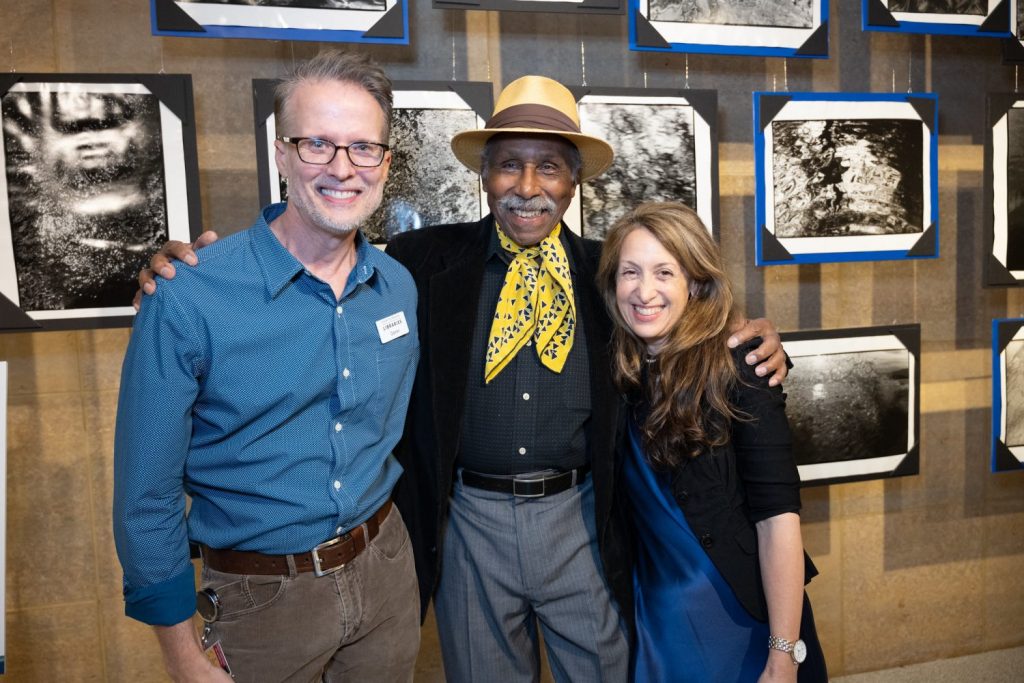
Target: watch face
(799, 651)
(207, 604)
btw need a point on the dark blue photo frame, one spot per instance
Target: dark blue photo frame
(647, 34)
(389, 26)
(850, 108)
(995, 23)
(1007, 345)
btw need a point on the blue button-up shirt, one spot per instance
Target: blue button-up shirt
(275, 406)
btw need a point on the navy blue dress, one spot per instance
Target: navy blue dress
(689, 624)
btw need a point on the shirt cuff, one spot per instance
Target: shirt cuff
(166, 603)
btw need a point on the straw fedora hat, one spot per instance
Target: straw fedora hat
(535, 105)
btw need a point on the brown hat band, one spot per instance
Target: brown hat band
(533, 116)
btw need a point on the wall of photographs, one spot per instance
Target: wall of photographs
(894, 336)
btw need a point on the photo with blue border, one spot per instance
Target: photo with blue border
(878, 15)
(1007, 452)
(916, 235)
(388, 26)
(649, 33)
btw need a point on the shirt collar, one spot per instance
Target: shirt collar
(280, 267)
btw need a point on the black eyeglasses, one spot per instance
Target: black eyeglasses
(322, 152)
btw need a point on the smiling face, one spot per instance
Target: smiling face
(530, 184)
(651, 288)
(337, 197)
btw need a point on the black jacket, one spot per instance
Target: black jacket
(725, 491)
(447, 264)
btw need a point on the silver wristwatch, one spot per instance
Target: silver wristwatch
(797, 650)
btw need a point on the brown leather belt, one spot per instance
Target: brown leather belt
(323, 559)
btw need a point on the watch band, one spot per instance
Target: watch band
(790, 648)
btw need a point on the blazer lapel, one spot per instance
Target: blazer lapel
(454, 297)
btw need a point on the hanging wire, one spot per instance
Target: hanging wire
(894, 79)
(773, 82)
(162, 69)
(910, 70)
(12, 55)
(785, 74)
(686, 77)
(1016, 75)
(583, 62)
(451, 30)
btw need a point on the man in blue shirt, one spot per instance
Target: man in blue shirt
(270, 385)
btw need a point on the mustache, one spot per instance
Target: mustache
(516, 203)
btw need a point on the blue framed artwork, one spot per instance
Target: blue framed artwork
(354, 21)
(845, 177)
(853, 402)
(666, 150)
(1004, 190)
(1007, 394)
(425, 117)
(97, 171)
(767, 28)
(982, 18)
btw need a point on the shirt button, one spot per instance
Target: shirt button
(526, 396)
(522, 450)
(337, 532)
(345, 373)
(529, 342)
(338, 309)
(337, 484)
(337, 426)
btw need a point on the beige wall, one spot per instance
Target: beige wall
(914, 569)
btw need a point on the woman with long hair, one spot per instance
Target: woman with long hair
(706, 461)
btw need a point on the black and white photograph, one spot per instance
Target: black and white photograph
(426, 116)
(1007, 394)
(95, 180)
(357, 21)
(980, 18)
(852, 402)
(1004, 188)
(772, 28)
(557, 6)
(845, 178)
(665, 150)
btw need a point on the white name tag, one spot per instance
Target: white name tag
(392, 327)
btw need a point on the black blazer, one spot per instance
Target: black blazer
(725, 491)
(447, 263)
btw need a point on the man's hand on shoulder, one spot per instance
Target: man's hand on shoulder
(769, 357)
(161, 263)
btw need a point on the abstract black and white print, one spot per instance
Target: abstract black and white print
(427, 185)
(1014, 405)
(773, 13)
(86, 193)
(1015, 189)
(846, 178)
(376, 5)
(965, 7)
(654, 160)
(849, 406)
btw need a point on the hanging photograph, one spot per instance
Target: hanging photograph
(665, 150)
(769, 28)
(426, 116)
(98, 172)
(982, 18)
(1004, 190)
(1007, 394)
(347, 21)
(845, 177)
(1013, 47)
(852, 402)
(561, 6)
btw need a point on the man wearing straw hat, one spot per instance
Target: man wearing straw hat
(508, 444)
(509, 438)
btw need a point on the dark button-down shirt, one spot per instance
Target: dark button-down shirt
(275, 405)
(528, 418)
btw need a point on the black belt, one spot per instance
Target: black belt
(533, 487)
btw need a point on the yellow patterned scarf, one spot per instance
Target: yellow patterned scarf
(536, 302)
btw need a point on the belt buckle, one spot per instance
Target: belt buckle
(317, 569)
(543, 486)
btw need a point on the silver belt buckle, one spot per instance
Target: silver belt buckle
(543, 487)
(317, 569)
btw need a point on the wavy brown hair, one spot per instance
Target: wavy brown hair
(686, 388)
